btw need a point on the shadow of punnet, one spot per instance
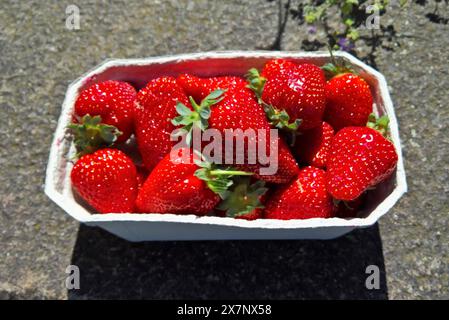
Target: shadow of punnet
(112, 268)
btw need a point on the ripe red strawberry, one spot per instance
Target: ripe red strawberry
(156, 106)
(198, 88)
(276, 66)
(360, 158)
(294, 94)
(304, 198)
(181, 186)
(237, 109)
(106, 179)
(113, 101)
(172, 187)
(312, 147)
(349, 101)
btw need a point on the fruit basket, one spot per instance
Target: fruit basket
(146, 227)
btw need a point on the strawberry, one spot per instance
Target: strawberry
(198, 88)
(113, 101)
(180, 185)
(156, 105)
(312, 147)
(304, 198)
(232, 113)
(359, 158)
(106, 179)
(276, 66)
(293, 95)
(236, 109)
(349, 101)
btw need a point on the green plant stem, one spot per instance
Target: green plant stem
(219, 172)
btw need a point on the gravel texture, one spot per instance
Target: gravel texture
(39, 57)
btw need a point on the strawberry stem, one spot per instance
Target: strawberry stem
(199, 116)
(335, 68)
(256, 82)
(217, 179)
(218, 172)
(90, 134)
(280, 118)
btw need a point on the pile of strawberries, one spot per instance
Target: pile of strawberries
(331, 148)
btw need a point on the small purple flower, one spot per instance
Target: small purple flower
(345, 44)
(311, 30)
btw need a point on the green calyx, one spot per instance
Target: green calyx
(255, 82)
(280, 118)
(379, 124)
(199, 116)
(90, 134)
(216, 178)
(277, 118)
(243, 198)
(335, 68)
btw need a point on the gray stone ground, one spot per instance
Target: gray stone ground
(39, 57)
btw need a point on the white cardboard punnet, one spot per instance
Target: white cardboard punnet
(144, 227)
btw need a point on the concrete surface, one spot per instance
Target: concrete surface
(39, 57)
